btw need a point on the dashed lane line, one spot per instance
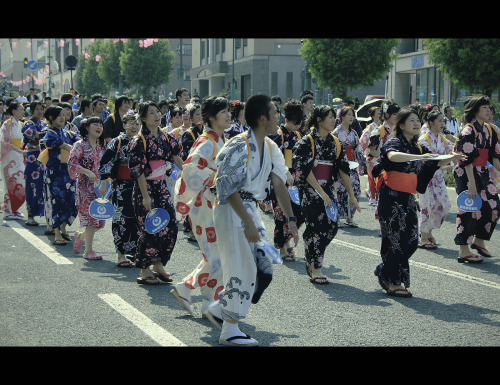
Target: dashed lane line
(153, 330)
(38, 243)
(435, 269)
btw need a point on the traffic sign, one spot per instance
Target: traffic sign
(32, 65)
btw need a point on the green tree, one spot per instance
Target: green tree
(109, 64)
(87, 78)
(146, 67)
(340, 64)
(471, 63)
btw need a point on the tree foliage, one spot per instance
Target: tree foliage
(87, 79)
(146, 67)
(470, 63)
(340, 64)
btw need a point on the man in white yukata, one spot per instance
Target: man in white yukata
(246, 166)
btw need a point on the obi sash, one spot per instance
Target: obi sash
(288, 157)
(482, 158)
(16, 142)
(349, 152)
(123, 171)
(398, 181)
(322, 171)
(159, 169)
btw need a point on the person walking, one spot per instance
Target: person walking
(246, 166)
(403, 169)
(83, 166)
(152, 154)
(321, 164)
(480, 144)
(114, 166)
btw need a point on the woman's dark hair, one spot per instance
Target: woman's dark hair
(403, 114)
(119, 101)
(433, 115)
(33, 106)
(473, 105)
(389, 107)
(344, 110)
(12, 106)
(255, 107)
(144, 107)
(176, 111)
(236, 108)
(84, 128)
(293, 111)
(211, 107)
(318, 114)
(193, 109)
(52, 112)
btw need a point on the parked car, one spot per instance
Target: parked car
(371, 97)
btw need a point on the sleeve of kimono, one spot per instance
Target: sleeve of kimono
(29, 131)
(278, 160)
(108, 159)
(341, 162)
(422, 141)
(302, 159)
(75, 155)
(374, 139)
(495, 146)
(52, 140)
(196, 174)
(187, 142)
(175, 146)
(466, 144)
(232, 168)
(365, 138)
(5, 138)
(360, 156)
(137, 160)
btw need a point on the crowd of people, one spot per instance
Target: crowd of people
(214, 164)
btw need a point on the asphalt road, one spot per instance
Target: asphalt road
(51, 297)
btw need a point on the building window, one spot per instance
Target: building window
(289, 85)
(274, 83)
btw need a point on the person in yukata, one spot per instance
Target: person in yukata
(404, 168)
(195, 194)
(480, 143)
(246, 166)
(83, 166)
(152, 155)
(114, 165)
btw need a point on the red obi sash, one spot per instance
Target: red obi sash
(349, 151)
(123, 171)
(322, 171)
(399, 181)
(482, 158)
(158, 171)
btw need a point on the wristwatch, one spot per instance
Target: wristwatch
(290, 219)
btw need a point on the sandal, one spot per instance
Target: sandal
(165, 277)
(481, 250)
(59, 242)
(288, 258)
(77, 246)
(308, 270)
(427, 246)
(92, 255)
(148, 281)
(290, 251)
(126, 263)
(319, 280)
(351, 224)
(49, 232)
(31, 223)
(184, 302)
(66, 236)
(470, 259)
(400, 292)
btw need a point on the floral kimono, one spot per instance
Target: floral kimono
(247, 269)
(324, 158)
(435, 202)
(364, 140)
(12, 166)
(195, 195)
(285, 140)
(397, 207)
(480, 145)
(354, 153)
(33, 169)
(82, 155)
(234, 129)
(153, 156)
(61, 186)
(114, 165)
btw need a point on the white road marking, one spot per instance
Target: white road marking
(153, 330)
(436, 269)
(38, 243)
